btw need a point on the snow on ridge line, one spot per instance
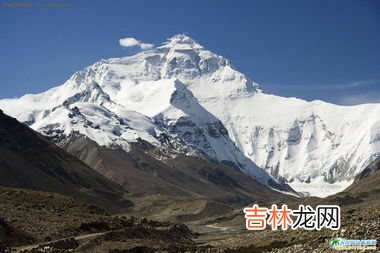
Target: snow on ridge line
(85, 113)
(292, 139)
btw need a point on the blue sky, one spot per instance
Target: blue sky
(325, 49)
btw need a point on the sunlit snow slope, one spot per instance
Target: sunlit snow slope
(182, 93)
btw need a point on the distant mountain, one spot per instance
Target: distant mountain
(182, 176)
(29, 160)
(186, 100)
(368, 181)
(365, 191)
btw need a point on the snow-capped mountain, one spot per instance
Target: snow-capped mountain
(185, 99)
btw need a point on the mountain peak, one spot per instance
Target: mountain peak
(181, 40)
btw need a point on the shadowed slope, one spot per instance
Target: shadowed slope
(182, 176)
(29, 160)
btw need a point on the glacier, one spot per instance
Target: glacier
(183, 98)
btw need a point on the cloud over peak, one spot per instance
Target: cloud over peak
(132, 42)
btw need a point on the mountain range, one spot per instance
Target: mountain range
(31, 161)
(179, 101)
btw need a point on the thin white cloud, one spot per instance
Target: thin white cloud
(362, 98)
(128, 42)
(132, 42)
(323, 87)
(145, 46)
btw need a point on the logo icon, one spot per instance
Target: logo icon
(334, 243)
(347, 244)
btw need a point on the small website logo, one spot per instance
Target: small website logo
(345, 244)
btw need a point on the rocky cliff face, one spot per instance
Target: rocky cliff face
(30, 161)
(184, 99)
